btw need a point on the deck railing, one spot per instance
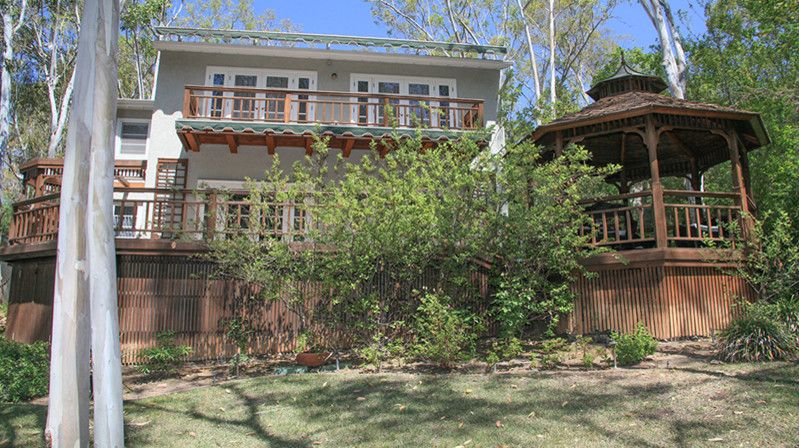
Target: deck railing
(332, 108)
(693, 219)
(43, 175)
(186, 215)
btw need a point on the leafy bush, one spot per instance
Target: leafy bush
(756, 335)
(381, 348)
(24, 370)
(444, 334)
(165, 357)
(238, 331)
(634, 347)
(504, 349)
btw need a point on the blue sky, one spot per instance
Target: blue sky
(353, 17)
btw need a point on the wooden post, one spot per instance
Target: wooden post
(287, 108)
(480, 115)
(558, 144)
(385, 111)
(738, 183)
(186, 103)
(658, 208)
(210, 216)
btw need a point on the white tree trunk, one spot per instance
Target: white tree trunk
(9, 32)
(68, 407)
(531, 52)
(657, 14)
(553, 95)
(106, 360)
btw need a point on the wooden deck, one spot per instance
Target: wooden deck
(677, 291)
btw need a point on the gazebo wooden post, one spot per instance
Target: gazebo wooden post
(558, 144)
(739, 183)
(658, 209)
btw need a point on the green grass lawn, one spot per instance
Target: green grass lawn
(709, 406)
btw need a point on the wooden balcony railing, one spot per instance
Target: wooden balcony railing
(693, 219)
(334, 108)
(188, 215)
(43, 176)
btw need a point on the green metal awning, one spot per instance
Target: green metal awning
(327, 40)
(185, 125)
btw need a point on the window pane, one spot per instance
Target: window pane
(443, 90)
(277, 82)
(134, 130)
(388, 87)
(419, 89)
(363, 86)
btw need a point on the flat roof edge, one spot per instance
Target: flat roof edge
(342, 55)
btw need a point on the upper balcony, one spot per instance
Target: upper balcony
(281, 117)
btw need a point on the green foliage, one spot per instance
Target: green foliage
(504, 349)
(757, 335)
(749, 59)
(238, 330)
(165, 358)
(648, 62)
(444, 334)
(381, 348)
(634, 347)
(24, 370)
(538, 247)
(549, 361)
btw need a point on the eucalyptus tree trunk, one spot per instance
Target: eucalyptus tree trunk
(101, 251)
(553, 95)
(530, 51)
(68, 406)
(10, 29)
(85, 266)
(670, 44)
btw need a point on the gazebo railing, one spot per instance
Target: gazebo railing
(624, 219)
(693, 219)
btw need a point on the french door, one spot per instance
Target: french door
(405, 112)
(264, 106)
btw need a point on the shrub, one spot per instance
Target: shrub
(634, 347)
(165, 357)
(444, 334)
(24, 370)
(756, 335)
(381, 348)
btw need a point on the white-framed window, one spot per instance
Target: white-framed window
(287, 221)
(131, 139)
(269, 106)
(407, 112)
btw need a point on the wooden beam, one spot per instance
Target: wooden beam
(346, 149)
(384, 147)
(270, 144)
(232, 143)
(191, 139)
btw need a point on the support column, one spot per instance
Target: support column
(558, 144)
(658, 209)
(739, 183)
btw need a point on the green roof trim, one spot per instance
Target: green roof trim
(256, 37)
(341, 130)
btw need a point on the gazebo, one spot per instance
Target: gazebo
(664, 270)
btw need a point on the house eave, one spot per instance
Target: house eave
(328, 54)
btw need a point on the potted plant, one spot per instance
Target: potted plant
(308, 353)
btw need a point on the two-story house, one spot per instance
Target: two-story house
(224, 103)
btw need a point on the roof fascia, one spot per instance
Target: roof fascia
(339, 55)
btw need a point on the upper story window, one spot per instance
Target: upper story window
(132, 137)
(411, 108)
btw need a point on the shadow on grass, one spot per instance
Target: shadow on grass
(15, 427)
